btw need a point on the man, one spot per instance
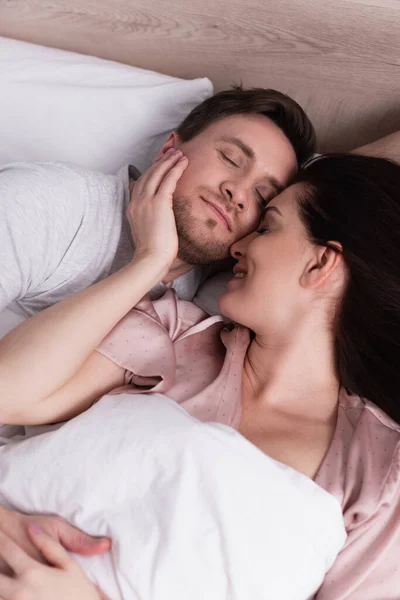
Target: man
(62, 227)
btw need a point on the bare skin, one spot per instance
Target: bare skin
(34, 580)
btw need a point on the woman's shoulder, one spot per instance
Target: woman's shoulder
(365, 418)
(362, 470)
(373, 436)
(362, 467)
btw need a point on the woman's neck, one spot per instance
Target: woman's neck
(294, 374)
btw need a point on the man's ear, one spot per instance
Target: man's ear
(323, 264)
(172, 141)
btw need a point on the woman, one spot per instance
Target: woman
(319, 286)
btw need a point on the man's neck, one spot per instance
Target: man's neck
(177, 269)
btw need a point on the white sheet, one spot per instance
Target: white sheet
(195, 510)
(9, 318)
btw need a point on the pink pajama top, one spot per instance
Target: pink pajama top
(172, 347)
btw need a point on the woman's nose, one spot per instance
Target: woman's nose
(235, 252)
(239, 248)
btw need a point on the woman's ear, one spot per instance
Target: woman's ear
(324, 263)
(172, 141)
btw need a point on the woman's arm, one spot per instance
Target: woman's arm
(45, 353)
(367, 567)
(48, 356)
(386, 147)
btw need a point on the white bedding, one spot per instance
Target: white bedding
(194, 510)
(67, 107)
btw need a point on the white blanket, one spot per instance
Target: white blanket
(194, 510)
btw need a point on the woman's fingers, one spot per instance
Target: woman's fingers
(151, 180)
(101, 594)
(160, 157)
(51, 549)
(13, 555)
(7, 587)
(169, 183)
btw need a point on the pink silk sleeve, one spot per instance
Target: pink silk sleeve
(143, 341)
(141, 344)
(368, 568)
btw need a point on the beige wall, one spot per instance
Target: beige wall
(339, 58)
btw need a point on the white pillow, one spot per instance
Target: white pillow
(62, 106)
(194, 510)
(208, 294)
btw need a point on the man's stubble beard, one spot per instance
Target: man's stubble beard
(195, 249)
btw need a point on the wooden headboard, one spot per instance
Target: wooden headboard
(339, 58)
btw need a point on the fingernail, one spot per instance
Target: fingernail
(182, 158)
(170, 151)
(35, 528)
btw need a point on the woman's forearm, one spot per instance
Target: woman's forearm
(42, 355)
(44, 352)
(386, 147)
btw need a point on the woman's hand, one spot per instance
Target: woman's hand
(16, 526)
(150, 212)
(62, 579)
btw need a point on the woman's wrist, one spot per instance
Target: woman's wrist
(5, 516)
(155, 266)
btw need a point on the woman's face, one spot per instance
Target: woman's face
(267, 293)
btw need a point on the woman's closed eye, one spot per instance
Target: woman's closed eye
(264, 228)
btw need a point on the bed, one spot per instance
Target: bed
(340, 60)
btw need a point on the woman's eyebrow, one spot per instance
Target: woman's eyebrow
(273, 208)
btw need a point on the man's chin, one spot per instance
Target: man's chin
(194, 253)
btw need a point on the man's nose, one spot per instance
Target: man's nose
(235, 195)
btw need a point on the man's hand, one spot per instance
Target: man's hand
(15, 525)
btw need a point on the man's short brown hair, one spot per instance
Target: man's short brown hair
(282, 110)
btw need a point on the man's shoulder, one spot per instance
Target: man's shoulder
(62, 186)
(59, 172)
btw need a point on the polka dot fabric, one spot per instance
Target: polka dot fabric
(172, 347)
(362, 469)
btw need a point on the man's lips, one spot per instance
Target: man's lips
(223, 217)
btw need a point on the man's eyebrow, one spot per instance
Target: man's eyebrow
(249, 152)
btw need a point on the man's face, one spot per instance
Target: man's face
(236, 166)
